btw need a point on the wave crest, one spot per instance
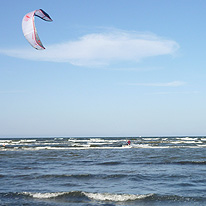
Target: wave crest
(115, 197)
(89, 195)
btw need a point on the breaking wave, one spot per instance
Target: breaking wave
(115, 197)
(89, 197)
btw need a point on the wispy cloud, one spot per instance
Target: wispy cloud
(159, 84)
(101, 49)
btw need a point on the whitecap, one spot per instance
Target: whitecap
(44, 195)
(115, 197)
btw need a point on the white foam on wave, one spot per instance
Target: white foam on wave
(27, 140)
(203, 139)
(94, 196)
(150, 139)
(187, 138)
(97, 140)
(142, 146)
(4, 141)
(186, 142)
(115, 197)
(44, 195)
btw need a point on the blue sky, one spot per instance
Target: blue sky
(110, 68)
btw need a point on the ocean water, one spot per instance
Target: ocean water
(155, 171)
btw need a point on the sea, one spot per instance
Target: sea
(84, 171)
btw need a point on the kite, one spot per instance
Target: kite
(29, 29)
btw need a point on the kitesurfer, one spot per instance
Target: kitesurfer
(128, 142)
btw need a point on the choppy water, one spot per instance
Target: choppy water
(100, 171)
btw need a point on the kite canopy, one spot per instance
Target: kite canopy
(29, 29)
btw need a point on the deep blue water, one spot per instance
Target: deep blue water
(102, 171)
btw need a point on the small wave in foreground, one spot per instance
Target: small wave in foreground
(102, 198)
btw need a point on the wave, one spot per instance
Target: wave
(89, 196)
(191, 162)
(77, 176)
(115, 197)
(92, 197)
(100, 143)
(110, 163)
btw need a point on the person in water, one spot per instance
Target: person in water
(128, 142)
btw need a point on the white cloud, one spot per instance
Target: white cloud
(101, 49)
(159, 84)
